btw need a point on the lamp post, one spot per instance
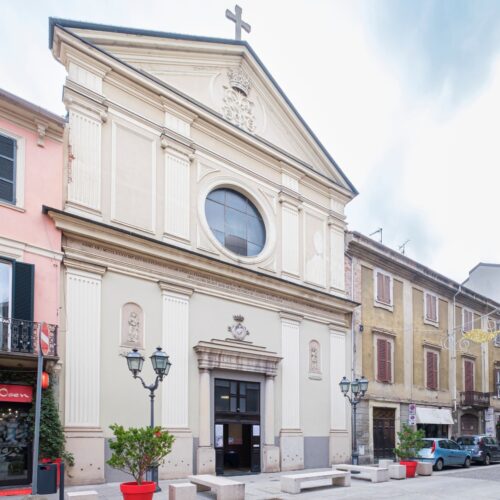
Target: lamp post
(358, 389)
(161, 366)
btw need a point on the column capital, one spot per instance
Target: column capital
(170, 288)
(93, 270)
(289, 316)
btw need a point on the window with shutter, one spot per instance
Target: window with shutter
(467, 320)
(384, 360)
(383, 291)
(496, 381)
(23, 291)
(5, 289)
(469, 375)
(7, 169)
(432, 370)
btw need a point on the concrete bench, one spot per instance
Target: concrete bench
(396, 471)
(225, 489)
(181, 491)
(424, 468)
(82, 495)
(293, 483)
(373, 474)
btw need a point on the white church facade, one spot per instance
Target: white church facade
(201, 215)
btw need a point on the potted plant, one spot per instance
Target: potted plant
(52, 440)
(134, 451)
(410, 442)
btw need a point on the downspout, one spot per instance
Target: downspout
(453, 346)
(353, 337)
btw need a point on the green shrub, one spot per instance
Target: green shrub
(410, 442)
(135, 450)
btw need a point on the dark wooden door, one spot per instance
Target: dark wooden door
(255, 447)
(469, 424)
(384, 432)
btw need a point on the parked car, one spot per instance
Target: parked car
(444, 452)
(483, 449)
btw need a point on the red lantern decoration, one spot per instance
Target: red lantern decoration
(45, 380)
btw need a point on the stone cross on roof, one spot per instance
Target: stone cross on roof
(239, 23)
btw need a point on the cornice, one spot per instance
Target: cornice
(98, 243)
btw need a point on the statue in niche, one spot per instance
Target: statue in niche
(314, 357)
(132, 327)
(238, 330)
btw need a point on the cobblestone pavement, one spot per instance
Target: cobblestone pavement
(478, 482)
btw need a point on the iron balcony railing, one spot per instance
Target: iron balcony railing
(476, 399)
(18, 336)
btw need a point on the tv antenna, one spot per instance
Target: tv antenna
(402, 248)
(379, 230)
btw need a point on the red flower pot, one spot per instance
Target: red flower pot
(411, 468)
(134, 491)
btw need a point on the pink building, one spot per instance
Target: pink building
(31, 169)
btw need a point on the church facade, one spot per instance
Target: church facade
(202, 215)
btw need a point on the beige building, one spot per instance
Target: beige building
(201, 214)
(409, 344)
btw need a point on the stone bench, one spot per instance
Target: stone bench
(396, 471)
(294, 483)
(224, 489)
(82, 495)
(424, 468)
(373, 474)
(181, 491)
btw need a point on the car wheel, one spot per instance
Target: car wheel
(439, 465)
(467, 463)
(487, 460)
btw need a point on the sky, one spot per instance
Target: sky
(404, 94)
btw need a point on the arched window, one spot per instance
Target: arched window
(235, 222)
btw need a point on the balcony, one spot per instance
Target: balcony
(20, 337)
(475, 399)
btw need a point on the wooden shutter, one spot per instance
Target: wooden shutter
(23, 291)
(7, 169)
(432, 370)
(469, 375)
(387, 289)
(381, 360)
(380, 286)
(388, 360)
(384, 361)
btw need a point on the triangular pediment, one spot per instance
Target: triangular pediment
(224, 76)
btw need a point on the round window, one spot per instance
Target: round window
(235, 222)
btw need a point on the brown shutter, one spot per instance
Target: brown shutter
(380, 284)
(387, 289)
(381, 360)
(432, 370)
(428, 368)
(469, 375)
(388, 372)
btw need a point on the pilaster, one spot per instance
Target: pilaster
(175, 387)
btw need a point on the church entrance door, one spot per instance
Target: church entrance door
(237, 427)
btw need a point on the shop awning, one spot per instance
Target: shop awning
(434, 416)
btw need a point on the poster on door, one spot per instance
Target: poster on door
(489, 422)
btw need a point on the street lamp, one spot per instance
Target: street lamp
(161, 366)
(358, 390)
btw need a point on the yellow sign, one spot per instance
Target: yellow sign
(480, 336)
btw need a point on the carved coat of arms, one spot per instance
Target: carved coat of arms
(238, 329)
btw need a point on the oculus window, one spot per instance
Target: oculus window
(235, 222)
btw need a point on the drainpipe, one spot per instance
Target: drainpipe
(353, 336)
(453, 346)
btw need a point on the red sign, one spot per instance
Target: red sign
(44, 338)
(16, 393)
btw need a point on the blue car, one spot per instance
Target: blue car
(444, 452)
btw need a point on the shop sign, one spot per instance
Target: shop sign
(16, 393)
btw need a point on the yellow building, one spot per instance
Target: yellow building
(408, 342)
